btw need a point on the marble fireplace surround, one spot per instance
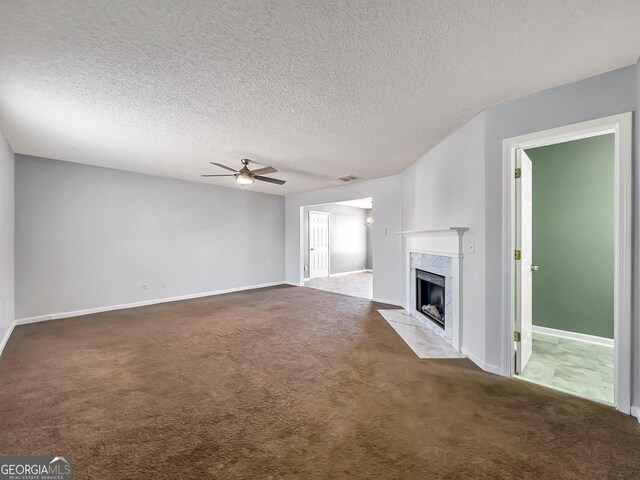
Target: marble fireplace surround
(441, 252)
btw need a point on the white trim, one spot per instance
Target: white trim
(621, 125)
(370, 270)
(388, 302)
(305, 279)
(294, 284)
(346, 273)
(581, 337)
(301, 245)
(484, 366)
(89, 311)
(5, 339)
(635, 411)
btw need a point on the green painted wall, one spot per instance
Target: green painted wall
(573, 235)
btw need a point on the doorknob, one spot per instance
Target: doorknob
(534, 268)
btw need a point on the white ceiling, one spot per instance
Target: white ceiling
(318, 89)
(358, 203)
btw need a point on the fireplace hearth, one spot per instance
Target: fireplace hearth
(430, 296)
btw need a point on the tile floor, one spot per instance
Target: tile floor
(424, 342)
(358, 284)
(580, 368)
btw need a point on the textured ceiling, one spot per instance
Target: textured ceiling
(318, 89)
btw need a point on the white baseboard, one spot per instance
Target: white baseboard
(345, 273)
(388, 302)
(294, 284)
(635, 411)
(582, 337)
(368, 270)
(89, 311)
(487, 367)
(5, 339)
(472, 357)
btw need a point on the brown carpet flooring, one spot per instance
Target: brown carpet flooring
(288, 383)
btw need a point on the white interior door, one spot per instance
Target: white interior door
(524, 243)
(318, 244)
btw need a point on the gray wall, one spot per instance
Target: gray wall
(388, 279)
(347, 238)
(7, 284)
(90, 237)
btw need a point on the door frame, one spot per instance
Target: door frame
(328, 214)
(621, 126)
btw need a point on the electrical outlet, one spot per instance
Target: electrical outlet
(145, 287)
(306, 269)
(164, 284)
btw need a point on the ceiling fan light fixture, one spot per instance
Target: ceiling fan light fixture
(244, 178)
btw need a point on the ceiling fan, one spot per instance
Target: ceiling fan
(244, 176)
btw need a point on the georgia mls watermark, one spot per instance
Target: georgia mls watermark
(35, 468)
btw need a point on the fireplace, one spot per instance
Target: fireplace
(430, 296)
(444, 272)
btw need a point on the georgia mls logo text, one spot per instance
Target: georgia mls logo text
(35, 468)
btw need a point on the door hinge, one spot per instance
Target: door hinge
(516, 337)
(517, 255)
(518, 172)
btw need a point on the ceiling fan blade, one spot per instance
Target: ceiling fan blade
(269, 180)
(264, 171)
(224, 166)
(217, 175)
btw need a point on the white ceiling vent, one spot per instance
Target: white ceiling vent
(348, 178)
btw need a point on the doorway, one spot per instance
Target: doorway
(338, 247)
(568, 275)
(565, 198)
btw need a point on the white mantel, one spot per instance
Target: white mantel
(443, 242)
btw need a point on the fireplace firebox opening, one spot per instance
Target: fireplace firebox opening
(430, 296)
